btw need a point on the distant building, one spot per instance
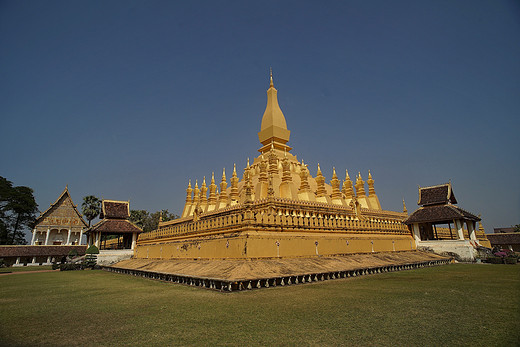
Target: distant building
(505, 238)
(503, 230)
(60, 224)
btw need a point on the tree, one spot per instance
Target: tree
(150, 221)
(18, 210)
(139, 217)
(91, 207)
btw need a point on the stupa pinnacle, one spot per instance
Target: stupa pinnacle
(274, 127)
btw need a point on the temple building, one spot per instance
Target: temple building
(60, 224)
(278, 208)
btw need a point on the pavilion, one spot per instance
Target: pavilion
(114, 222)
(438, 207)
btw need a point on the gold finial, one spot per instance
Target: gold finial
(334, 172)
(223, 174)
(234, 169)
(189, 183)
(196, 184)
(346, 175)
(204, 181)
(213, 178)
(247, 161)
(404, 207)
(369, 175)
(271, 77)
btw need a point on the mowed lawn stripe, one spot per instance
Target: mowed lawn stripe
(459, 304)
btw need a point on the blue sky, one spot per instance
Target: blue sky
(130, 99)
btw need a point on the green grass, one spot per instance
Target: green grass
(24, 268)
(455, 305)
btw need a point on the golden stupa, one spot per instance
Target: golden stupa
(277, 210)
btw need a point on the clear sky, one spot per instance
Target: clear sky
(129, 99)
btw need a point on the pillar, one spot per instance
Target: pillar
(80, 236)
(97, 239)
(17, 260)
(33, 260)
(33, 236)
(47, 236)
(134, 240)
(459, 226)
(471, 230)
(48, 260)
(416, 232)
(68, 237)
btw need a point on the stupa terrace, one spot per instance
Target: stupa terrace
(277, 210)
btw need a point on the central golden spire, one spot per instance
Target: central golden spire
(274, 128)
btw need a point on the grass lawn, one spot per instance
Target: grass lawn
(24, 268)
(453, 305)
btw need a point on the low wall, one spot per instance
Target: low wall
(462, 250)
(272, 244)
(37, 255)
(112, 256)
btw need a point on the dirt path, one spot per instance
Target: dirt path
(25, 272)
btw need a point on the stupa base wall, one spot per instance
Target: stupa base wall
(271, 244)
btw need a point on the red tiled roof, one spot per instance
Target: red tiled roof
(436, 195)
(37, 251)
(116, 226)
(442, 213)
(115, 209)
(504, 239)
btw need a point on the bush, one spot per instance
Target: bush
(70, 267)
(495, 260)
(90, 261)
(92, 250)
(73, 253)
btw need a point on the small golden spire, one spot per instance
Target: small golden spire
(234, 170)
(223, 174)
(271, 84)
(334, 172)
(405, 210)
(247, 161)
(319, 171)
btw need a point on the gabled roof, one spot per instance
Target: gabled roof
(504, 239)
(436, 195)
(116, 226)
(65, 194)
(115, 209)
(439, 214)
